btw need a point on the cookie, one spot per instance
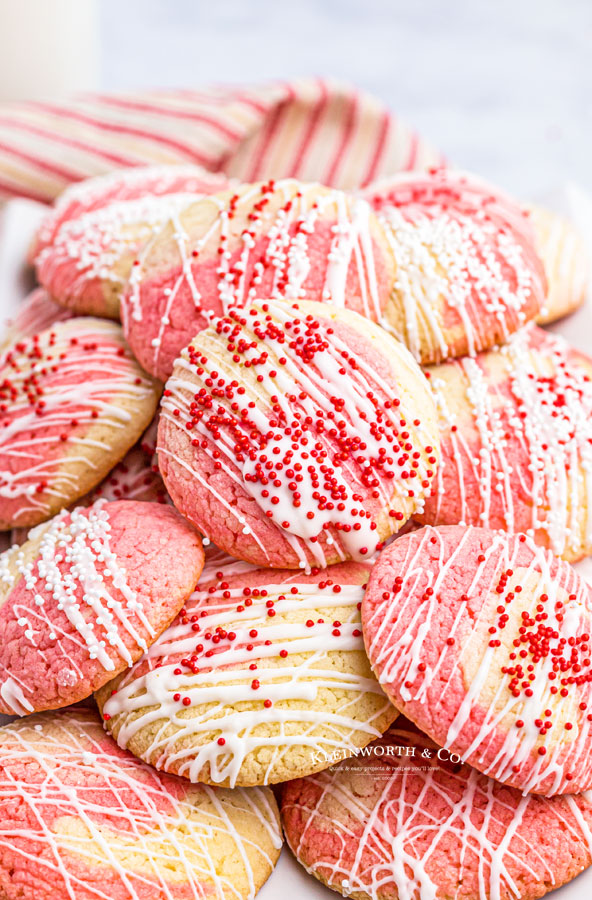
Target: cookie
(89, 262)
(73, 401)
(277, 239)
(262, 678)
(516, 435)
(483, 640)
(404, 821)
(566, 260)
(468, 273)
(80, 819)
(36, 313)
(297, 435)
(86, 595)
(120, 185)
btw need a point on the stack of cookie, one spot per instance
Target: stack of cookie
(280, 466)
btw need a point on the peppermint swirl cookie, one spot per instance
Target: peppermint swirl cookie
(73, 401)
(262, 678)
(81, 820)
(566, 259)
(279, 239)
(406, 822)
(86, 595)
(121, 185)
(483, 639)
(297, 435)
(516, 435)
(468, 272)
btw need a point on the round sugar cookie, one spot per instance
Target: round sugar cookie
(405, 821)
(516, 436)
(262, 678)
(483, 639)
(89, 262)
(297, 435)
(280, 239)
(566, 259)
(73, 401)
(36, 313)
(120, 185)
(468, 272)
(86, 595)
(93, 823)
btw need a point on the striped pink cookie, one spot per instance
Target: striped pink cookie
(468, 273)
(516, 434)
(404, 821)
(82, 820)
(284, 239)
(120, 185)
(73, 401)
(483, 640)
(86, 595)
(261, 678)
(297, 435)
(36, 313)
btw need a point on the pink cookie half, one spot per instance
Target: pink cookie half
(297, 435)
(404, 821)
(86, 595)
(279, 239)
(468, 270)
(516, 437)
(483, 639)
(119, 185)
(82, 820)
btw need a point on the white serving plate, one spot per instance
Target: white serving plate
(18, 220)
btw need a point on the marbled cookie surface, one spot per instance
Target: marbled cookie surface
(82, 820)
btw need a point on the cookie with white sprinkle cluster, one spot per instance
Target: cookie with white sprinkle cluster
(73, 401)
(407, 821)
(280, 239)
(86, 595)
(516, 434)
(94, 822)
(484, 640)
(297, 435)
(261, 678)
(468, 272)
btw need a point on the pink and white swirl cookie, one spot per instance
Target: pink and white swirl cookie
(73, 401)
(86, 595)
(516, 435)
(483, 639)
(89, 262)
(279, 239)
(297, 435)
(262, 678)
(468, 273)
(566, 260)
(82, 820)
(407, 822)
(36, 313)
(120, 185)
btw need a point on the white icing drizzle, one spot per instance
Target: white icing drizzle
(518, 455)
(430, 829)
(466, 267)
(264, 671)
(318, 407)
(54, 388)
(72, 601)
(89, 809)
(517, 705)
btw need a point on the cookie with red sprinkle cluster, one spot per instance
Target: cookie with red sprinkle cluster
(484, 640)
(297, 435)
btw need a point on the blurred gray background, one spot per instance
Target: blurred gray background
(504, 88)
